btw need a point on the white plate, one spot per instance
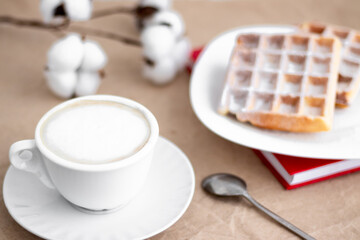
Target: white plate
(208, 75)
(165, 197)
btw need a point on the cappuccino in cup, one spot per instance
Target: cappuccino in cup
(95, 132)
(96, 151)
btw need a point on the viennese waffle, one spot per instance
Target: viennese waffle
(283, 82)
(349, 71)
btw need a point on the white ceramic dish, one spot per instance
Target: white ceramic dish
(164, 199)
(206, 86)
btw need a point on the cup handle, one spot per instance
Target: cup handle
(24, 155)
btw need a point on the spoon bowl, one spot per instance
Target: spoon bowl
(223, 184)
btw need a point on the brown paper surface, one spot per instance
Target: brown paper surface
(326, 210)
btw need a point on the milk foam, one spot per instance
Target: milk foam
(95, 132)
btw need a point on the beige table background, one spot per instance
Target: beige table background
(327, 210)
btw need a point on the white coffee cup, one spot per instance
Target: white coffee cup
(96, 187)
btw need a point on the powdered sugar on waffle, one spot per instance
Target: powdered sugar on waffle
(349, 71)
(284, 82)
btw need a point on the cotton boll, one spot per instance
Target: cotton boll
(47, 8)
(66, 54)
(88, 83)
(157, 41)
(159, 4)
(164, 71)
(94, 56)
(61, 84)
(78, 10)
(169, 18)
(181, 52)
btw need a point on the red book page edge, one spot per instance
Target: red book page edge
(297, 164)
(288, 186)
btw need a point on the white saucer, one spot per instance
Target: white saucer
(165, 197)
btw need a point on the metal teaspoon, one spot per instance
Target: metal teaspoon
(227, 185)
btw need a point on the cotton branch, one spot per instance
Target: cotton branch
(105, 34)
(64, 26)
(33, 23)
(112, 11)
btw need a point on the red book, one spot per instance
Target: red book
(294, 172)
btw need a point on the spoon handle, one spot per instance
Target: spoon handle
(279, 219)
